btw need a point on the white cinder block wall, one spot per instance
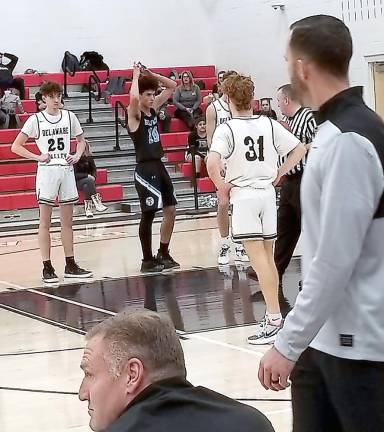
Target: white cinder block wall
(246, 35)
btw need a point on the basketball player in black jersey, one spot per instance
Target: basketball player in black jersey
(152, 180)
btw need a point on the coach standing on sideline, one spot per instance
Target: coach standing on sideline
(334, 337)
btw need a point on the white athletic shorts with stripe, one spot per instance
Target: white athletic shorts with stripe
(56, 182)
(254, 213)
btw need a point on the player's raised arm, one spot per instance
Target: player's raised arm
(134, 99)
(169, 85)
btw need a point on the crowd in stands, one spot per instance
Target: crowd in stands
(187, 99)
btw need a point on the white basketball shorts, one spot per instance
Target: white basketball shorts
(254, 214)
(56, 182)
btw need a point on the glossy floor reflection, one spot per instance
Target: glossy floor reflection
(195, 300)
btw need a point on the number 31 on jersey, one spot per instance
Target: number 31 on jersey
(251, 154)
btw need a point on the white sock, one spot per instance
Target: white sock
(275, 319)
(225, 241)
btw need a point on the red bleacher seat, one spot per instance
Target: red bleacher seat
(25, 200)
(205, 185)
(172, 139)
(186, 169)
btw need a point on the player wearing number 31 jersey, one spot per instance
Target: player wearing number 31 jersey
(251, 146)
(52, 130)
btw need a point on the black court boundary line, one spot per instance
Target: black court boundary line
(42, 319)
(40, 352)
(58, 392)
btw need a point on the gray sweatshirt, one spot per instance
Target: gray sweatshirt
(340, 310)
(184, 98)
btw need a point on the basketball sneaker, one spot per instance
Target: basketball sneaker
(151, 266)
(224, 254)
(88, 208)
(49, 275)
(100, 207)
(72, 270)
(167, 261)
(266, 332)
(240, 254)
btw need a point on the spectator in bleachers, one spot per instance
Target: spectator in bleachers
(197, 140)
(266, 109)
(9, 118)
(85, 174)
(6, 70)
(187, 98)
(135, 380)
(162, 115)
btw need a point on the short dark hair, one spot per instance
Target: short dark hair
(289, 92)
(50, 88)
(199, 119)
(324, 39)
(147, 83)
(228, 74)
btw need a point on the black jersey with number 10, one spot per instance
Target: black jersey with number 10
(146, 139)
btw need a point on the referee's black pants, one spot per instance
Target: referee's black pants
(332, 394)
(288, 223)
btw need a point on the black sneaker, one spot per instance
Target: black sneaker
(49, 275)
(151, 266)
(167, 261)
(76, 272)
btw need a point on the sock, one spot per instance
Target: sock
(225, 241)
(70, 260)
(275, 319)
(164, 248)
(47, 264)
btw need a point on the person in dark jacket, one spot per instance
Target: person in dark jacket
(6, 70)
(197, 139)
(85, 174)
(135, 380)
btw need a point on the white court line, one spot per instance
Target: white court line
(223, 344)
(107, 312)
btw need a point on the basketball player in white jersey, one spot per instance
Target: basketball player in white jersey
(251, 146)
(53, 129)
(217, 113)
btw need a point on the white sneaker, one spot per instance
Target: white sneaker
(88, 208)
(224, 255)
(240, 254)
(266, 333)
(100, 207)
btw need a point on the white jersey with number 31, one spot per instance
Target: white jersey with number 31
(251, 146)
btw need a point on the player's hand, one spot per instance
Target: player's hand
(274, 370)
(136, 70)
(45, 158)
(72, 159)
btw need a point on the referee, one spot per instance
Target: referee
(302, 124)
(332, 342)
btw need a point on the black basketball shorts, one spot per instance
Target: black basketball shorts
(154, 186)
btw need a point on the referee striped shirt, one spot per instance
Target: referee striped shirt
(303, 126)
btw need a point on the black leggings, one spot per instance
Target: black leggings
(87, 185)
(145, 233)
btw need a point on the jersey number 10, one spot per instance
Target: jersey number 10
(251, 154)
(52, 144)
